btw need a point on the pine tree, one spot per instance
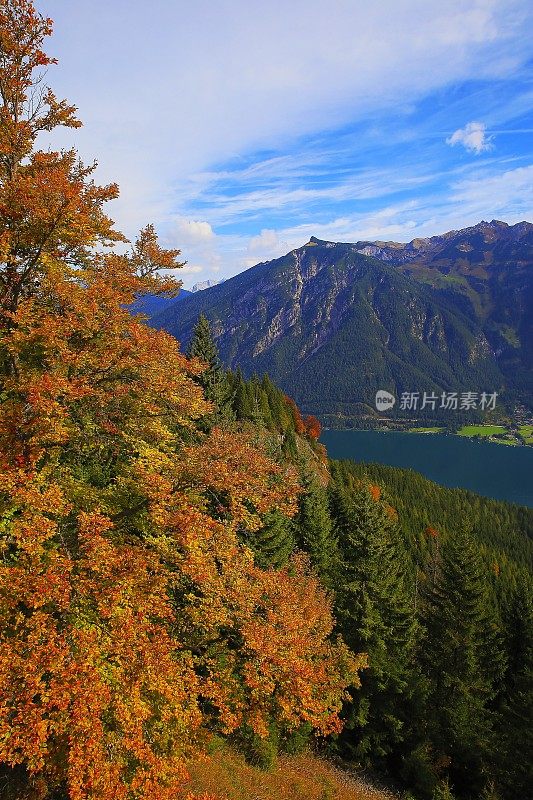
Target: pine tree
(272, 544)
(442, 791)
(515, 740)
(264, 405)
(375, 611)
(242, 404)
(214, 379)
(464, 661)
(278, 409)
(289, 446)
(259, 405)
(314, 528)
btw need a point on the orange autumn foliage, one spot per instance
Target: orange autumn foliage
(304, 426)
(312, 426)
(132, 620)
(375, 491)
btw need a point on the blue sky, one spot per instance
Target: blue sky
(240, 128)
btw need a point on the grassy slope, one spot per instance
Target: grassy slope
(304, 777)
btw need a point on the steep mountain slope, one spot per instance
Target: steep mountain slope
(489, 267)
(332, 322)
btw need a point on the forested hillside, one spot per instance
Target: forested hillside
(429, 589)
(504, 532)
(192, 598)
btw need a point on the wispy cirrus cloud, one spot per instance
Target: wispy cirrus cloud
(471, 195)
(482, 195)
(509, 192)
(228, 196)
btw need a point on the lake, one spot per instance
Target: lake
(493, 470)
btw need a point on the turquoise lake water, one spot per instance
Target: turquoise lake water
(493, 470)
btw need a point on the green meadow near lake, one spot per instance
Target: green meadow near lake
(501, 434)
(502, 473)
(481, 430)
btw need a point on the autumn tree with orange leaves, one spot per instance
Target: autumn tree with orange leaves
(313, 428)
(133, 622)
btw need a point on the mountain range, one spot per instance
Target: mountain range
(334, 322)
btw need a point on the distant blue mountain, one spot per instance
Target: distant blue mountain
(152, 304)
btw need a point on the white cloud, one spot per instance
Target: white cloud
(509, 194)
(197, 243)
(266, 240)
(473, 137)
(265, 246)
(192, 232)
(189, 269)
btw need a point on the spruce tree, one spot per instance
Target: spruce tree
(442, 791)
(273, 544)
(289, 446)
(464, 661)
(515, 731)
(375, 611)
(242, 403)
(314, 528)
(264, 405)
(278, 409)
(260, 411)
(214, 380)
(202, 345)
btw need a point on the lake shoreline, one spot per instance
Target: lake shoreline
(477, 465)
(443, 432)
